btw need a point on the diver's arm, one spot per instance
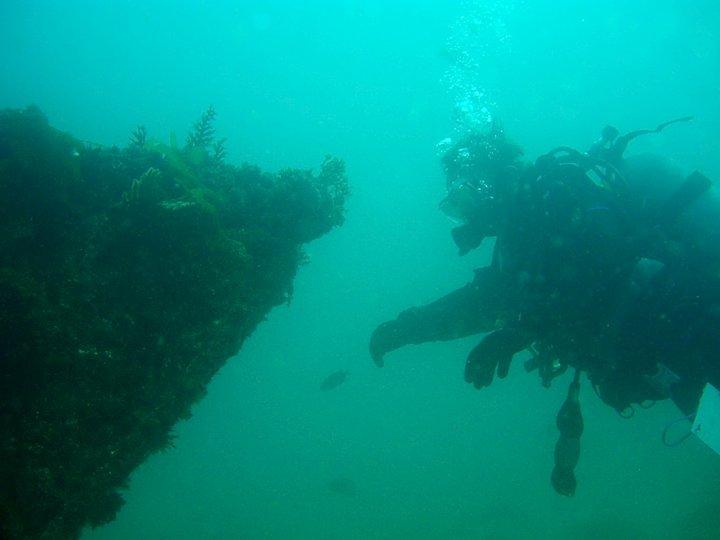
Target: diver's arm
(472, 309)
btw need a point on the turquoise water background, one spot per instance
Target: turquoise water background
(380, 84)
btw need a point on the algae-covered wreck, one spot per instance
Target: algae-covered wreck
(127, 278)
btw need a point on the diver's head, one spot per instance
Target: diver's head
(609, 134)
(480, 157)
(465, 200)
(478, 171)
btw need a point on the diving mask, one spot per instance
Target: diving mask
(464, 200)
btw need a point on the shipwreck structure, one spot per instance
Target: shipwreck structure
(128, 276)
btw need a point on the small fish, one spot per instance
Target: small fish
(342, 486)
(333, 380)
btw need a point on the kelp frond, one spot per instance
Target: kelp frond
(138, 137)
(203, 130)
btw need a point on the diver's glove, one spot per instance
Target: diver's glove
(384, 339)
(495, 351)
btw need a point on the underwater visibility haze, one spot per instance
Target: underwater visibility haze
(312, 192)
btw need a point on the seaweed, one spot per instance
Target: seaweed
(203, 131)
(138, 137)
(128, 276)
(219, 151)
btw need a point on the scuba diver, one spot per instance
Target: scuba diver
(588, 268)
(532, 211)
